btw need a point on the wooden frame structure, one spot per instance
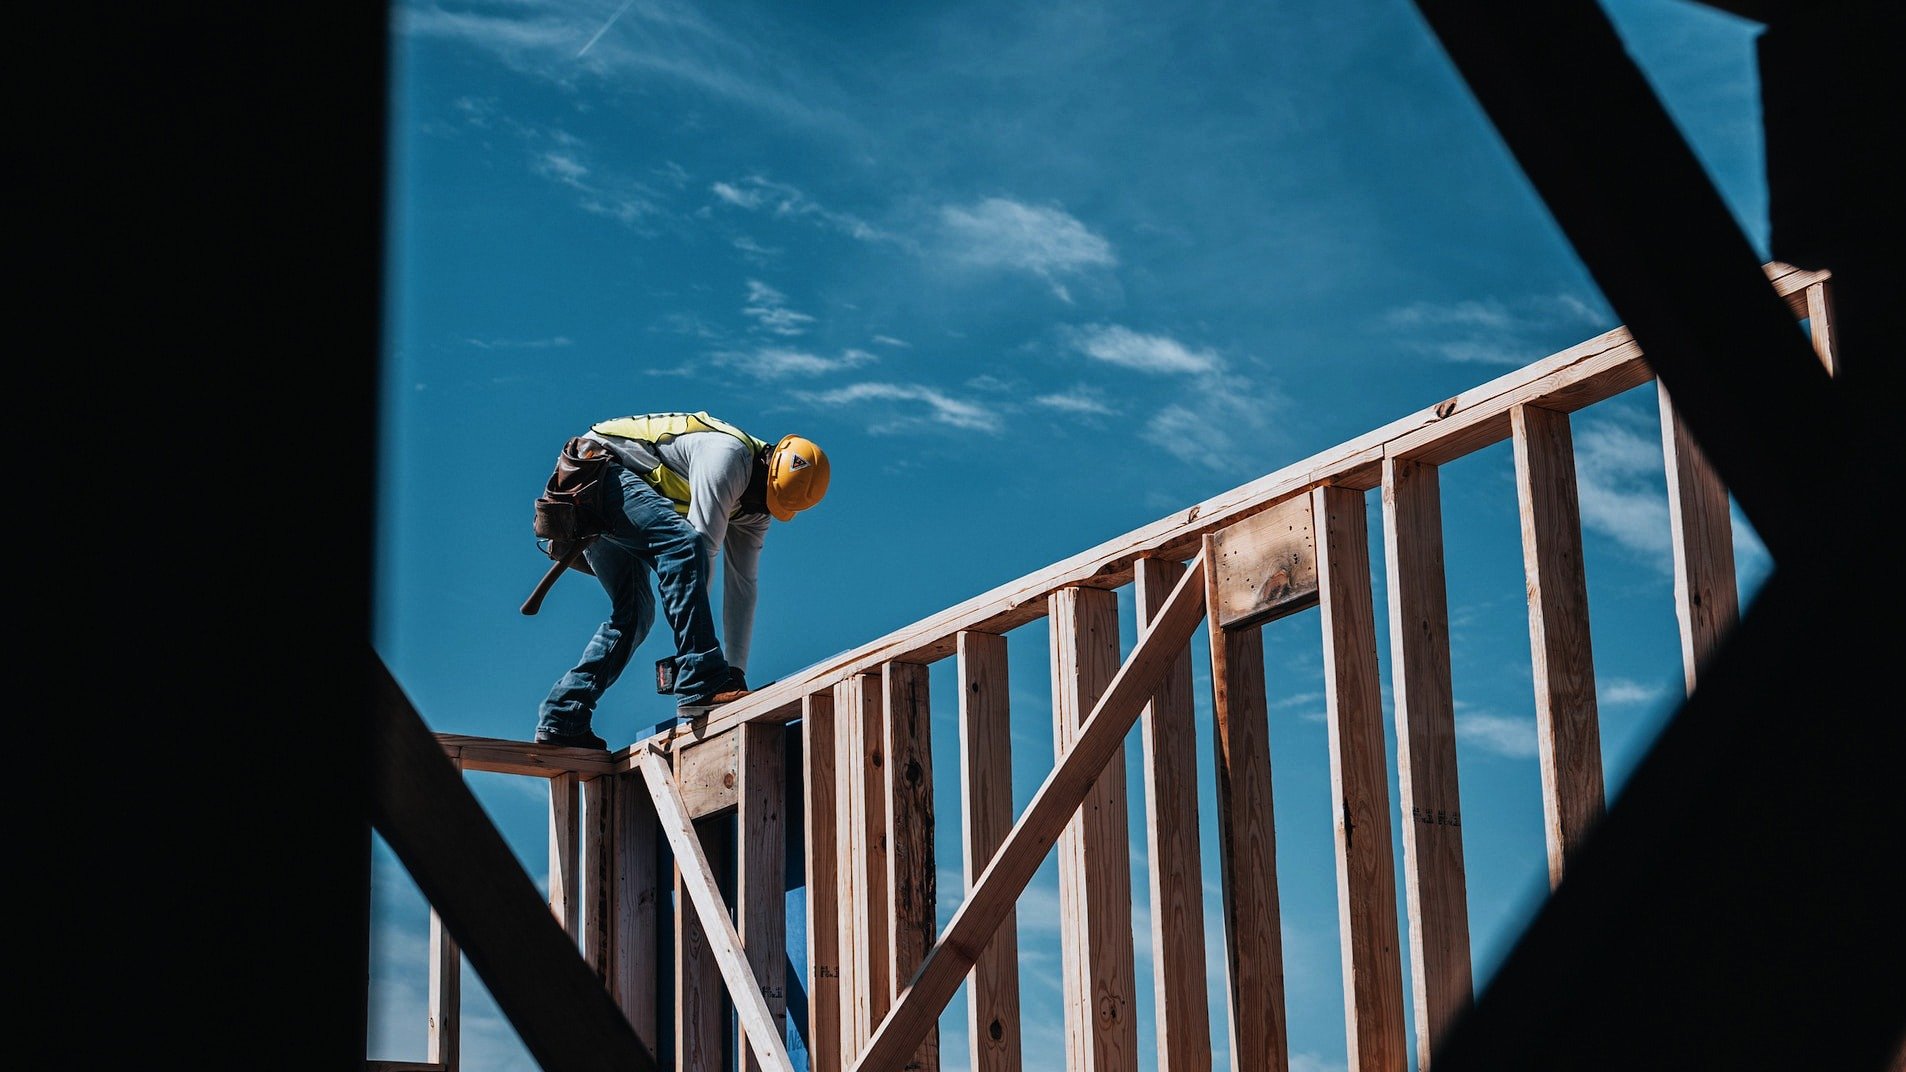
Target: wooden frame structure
(879, 971)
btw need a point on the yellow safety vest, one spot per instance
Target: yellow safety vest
(658, 428)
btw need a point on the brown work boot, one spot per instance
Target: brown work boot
(733, 686)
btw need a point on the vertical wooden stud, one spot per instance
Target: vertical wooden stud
(1820, 326)
(565, 807)
(824, 881)
(1436, 890)
(634, 927)
(1706, 596)
(986, 797)
(1359, 780)
(598, 878)
(911, 873)
(700, 1023)
(1567, 726)
(1247, 841)
(446, 993)
(1095, 880)
(1181, 1007)
(858, 726)
(761, 870)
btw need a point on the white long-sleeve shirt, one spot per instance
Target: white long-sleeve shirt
(717, 467)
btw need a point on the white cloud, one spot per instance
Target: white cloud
(522, 344)
(1002, 233)
(1490, 331)
(1621, 488)
(1187, 436)
(1503, 735)
(758, 194)
(777, 363)
(1122, 346)
(1079, 400)
(563, 159)
(889, 340)
(939, 407)
(768, 308)
(1623, 691)
(656, 41)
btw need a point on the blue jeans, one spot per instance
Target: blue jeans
(646, 538)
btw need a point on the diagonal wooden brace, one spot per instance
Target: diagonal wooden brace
(918, 1007)
(724, 941)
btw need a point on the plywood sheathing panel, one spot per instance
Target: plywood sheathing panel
(1265, 566)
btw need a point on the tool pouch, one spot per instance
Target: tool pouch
(570, 509)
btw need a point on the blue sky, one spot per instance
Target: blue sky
(1034, 276)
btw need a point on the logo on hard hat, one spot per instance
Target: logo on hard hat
(798, 463)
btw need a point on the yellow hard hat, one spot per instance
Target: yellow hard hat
(797, 477)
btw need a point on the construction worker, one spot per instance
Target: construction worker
(692, 488)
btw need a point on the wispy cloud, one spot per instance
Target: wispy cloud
(655, 41)
(564, 159)
(780, 363)
(1122, 346)
(782, 201)
(1043, 240)
(889, 340)
(930, 405)
(1502, 734)
(1627, 692)
(521, 344)
(1622, 489)
(1491, 331)
(768, 307)
(1202, 426)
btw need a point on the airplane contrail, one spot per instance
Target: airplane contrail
(605, 27)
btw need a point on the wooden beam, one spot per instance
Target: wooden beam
(1359, 782)
(635, 929)
(496, 755)
(760, 1031)
(488, 903)
(700, 1012)
(986, 800)
(1706, 594)
(1820, 326)
(761, 871)
(867, 986)
(708, 773)
(918, 1007)
(565, 853)
(1571, 379)
(1436, 890)
(1247, 846)
(598, 875)
(1567, 727)
(1181, 1010)
(1266, 566)
(1095, 866)
(912, 873)
(445, 1042)
(821, 812)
